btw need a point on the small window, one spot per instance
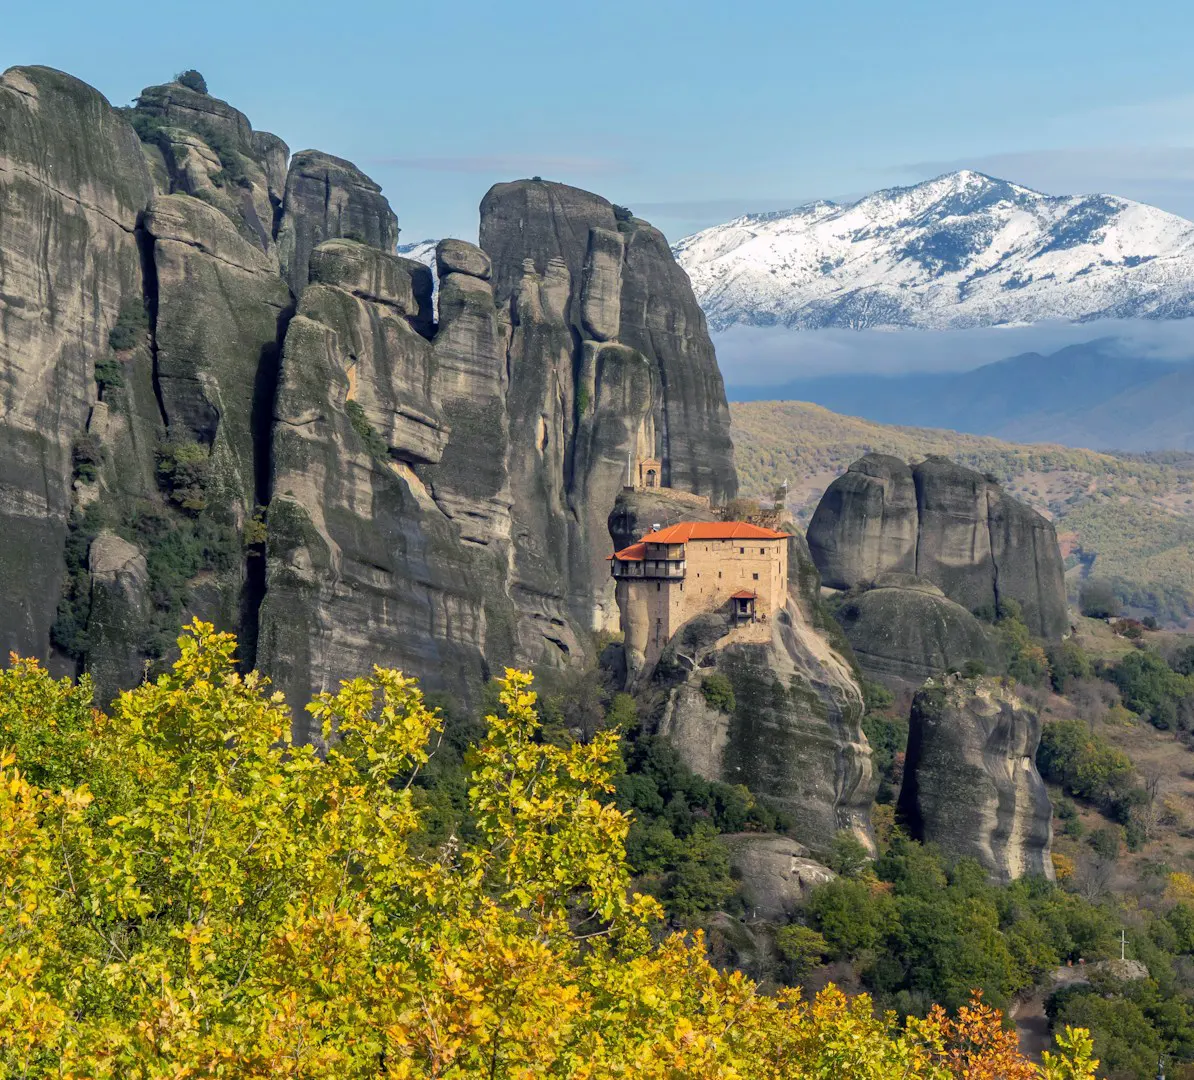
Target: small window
(681, 586)
(742, 551)
(762, 551)
(719, 573)
(658, 586)
(755, 576)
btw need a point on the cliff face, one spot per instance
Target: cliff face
(609, 360)
(970, 779)
(948, 524)
(72, 183)
(284, 434)
(905, 630)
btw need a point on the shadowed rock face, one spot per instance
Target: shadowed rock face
(970, 779)
(947, 524)
(906, 630)
(363, 566)
(119, 609)
(72, 182)
(328, 197)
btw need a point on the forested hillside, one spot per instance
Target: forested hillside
(1126, 518)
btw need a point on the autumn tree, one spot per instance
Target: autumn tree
(186, 894)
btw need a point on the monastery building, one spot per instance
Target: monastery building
(694, 568)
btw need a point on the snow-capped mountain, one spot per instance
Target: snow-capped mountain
(960, 251)
(421, 251)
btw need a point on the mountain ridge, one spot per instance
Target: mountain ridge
(962, 250)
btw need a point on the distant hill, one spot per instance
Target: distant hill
(960, 251)
(1127, 517)
(1097, 395)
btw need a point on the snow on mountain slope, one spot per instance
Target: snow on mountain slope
(960, 251)
(421, 251)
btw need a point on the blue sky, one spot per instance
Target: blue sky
(688, 112)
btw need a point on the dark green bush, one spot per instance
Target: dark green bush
(1151, 688)
(1097, 599)
(87, 455)
(374, 443)
(130, 327)
(109, 375)
(183, 470)
(192, 80)
(1086, 765)
(719, 693)
(1105, 842)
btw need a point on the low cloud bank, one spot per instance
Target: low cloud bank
(754, 357)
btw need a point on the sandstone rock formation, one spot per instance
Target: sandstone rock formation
(327, 197)
(795, 734)
(906, 630)
(775, 874)
(609, 360)
(220, 310)
(363, 566)
(947, 524)
(198, 145)
(72, 183)
(970, 779)
(434, 488)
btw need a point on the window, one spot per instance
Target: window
(658, 586)
(742, 551)
(762, 551)
(719, 573)
(755, 576)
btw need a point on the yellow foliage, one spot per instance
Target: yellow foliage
(1063, 866)
(1181, 886)
(189, 895)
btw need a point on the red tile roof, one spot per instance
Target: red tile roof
(634, 553)
(712, 530)
(744, 594)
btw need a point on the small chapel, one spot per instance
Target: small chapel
(696, 567)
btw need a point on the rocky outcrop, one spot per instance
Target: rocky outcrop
(72, 182)
(970, 779)
(363, 566)
(220, 309)
(866, 523)
(795, 733)
(434, 491)
(327, 197)
(636, 513)
(947, 524)
(906, 630)
(202, 146)
(775, 874)
(119, 611)
(609, 360)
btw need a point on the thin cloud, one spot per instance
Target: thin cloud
(520, 164)
(721, 208)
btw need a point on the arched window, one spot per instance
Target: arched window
(650, 478)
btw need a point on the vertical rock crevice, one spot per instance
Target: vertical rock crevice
(149, 294)
(261, 422)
